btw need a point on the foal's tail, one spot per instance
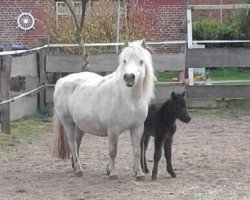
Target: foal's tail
(60, 146)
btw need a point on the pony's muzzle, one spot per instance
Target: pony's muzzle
(129, 79)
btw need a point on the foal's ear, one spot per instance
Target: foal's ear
(183, 94)
(143, 44)
(173, 95)
(126, 44)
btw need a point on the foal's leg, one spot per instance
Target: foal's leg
(113, 141)
(157, 157)
(70, 129)
(144, 146)
(136, 134)
(168, 154)
(79, 135)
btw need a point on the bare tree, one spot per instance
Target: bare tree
(79, 22)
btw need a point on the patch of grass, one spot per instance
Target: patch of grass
(27, 127)
(45, 112)
(24, 129)
(219, 112)
(230, 74)
(219, 74)
(167, 76)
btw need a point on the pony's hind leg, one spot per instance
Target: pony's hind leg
(168, 154)
(113, 141)
(144, 146)
(79, 135)
(70, 129)
(157, 157)
(136, 135)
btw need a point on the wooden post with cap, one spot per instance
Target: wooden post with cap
(5, 69)
(41, 69)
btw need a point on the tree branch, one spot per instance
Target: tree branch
(79, 29)
(69, 5)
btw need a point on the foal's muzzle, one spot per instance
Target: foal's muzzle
(129, 79)
(187, 119)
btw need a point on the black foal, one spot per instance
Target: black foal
(160, 123)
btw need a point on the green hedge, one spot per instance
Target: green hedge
(236, 28)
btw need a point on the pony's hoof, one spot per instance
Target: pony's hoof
(72, 163)
(79, 174)
(107, 170)
(113, 176)
(140, 178)
(154, 178)
(145, 171)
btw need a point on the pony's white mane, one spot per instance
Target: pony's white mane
(137, 52)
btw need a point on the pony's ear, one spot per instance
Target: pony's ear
(143, 44)
(126, 44)
(173, 95)
(183, 94)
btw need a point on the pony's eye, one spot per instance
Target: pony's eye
(124, 61)
(141, 62)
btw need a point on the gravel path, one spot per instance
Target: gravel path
(211, 157)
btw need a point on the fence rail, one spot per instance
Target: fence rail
(35, 50)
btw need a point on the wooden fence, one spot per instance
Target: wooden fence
(32, 67)
(37, 64)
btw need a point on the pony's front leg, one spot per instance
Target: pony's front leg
(136, 134)
(113, 141)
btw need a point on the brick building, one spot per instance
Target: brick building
(166, 19)
(10, 10)
(221, 15)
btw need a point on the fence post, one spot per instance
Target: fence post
(41, 69)
(5, 90)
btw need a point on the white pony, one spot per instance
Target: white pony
(105, 106)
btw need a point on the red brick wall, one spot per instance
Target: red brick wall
(214, 14)
(166, 17)
(11, 9)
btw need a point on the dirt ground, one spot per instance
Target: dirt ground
(211, 157)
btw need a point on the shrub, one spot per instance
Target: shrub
(236, 28)
(100, 27)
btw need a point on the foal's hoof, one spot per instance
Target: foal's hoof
(173, 175)
(140, 178)
(154, 178)
(113, 176)
(79, 173)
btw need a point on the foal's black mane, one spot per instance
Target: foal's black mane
(166, 111)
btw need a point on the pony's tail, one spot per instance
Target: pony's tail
(60, 146)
